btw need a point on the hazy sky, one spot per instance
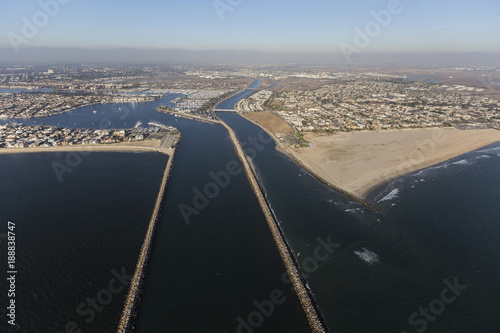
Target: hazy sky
(272, 25)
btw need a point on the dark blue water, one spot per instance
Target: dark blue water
(229, 103)
(114, 115)
(441, 227)
(207, 275)
(441, 224)
(255, 84)
(209, 268)
(72, 235)
(273, 85)
(18, 91)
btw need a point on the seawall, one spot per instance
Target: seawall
(132, 300)
(303, 293)
(285, 151)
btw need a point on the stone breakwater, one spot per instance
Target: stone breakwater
(129, 311)
(281, 147)
(305, 297)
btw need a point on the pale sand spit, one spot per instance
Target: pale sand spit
(118, 147)
(360, 161)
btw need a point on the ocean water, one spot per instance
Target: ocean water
(439, 227)
(429, 262)
(74, 236)
(212, 274)
(209, 269)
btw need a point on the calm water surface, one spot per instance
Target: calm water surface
(369, 272)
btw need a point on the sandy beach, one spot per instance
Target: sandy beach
(358, 162)
(148, 146)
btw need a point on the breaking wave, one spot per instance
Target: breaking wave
(354, 210)
(461, 162)
(483, 156)
(495, 150)
(392, 195)
(368, 256)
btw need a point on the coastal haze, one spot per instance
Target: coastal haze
(236, 166)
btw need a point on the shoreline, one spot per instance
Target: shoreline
(420, 152)
(304, 294)
(53, 114)
(362, 170)
(92, 148)
(362, 201)
(283, 149)
(372, 192)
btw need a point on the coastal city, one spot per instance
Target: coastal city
(37, 104)
(250, 166)
(20, 136)
(317, 101)
(367, 102)
(194, 99)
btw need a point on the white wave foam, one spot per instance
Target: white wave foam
(446, 165)
(421, 172)
(338, 204)
(368, 256)
(354, 210)
(461, 162)
(394, 194)
(495, 150)
(442, 166)
(424, 172)
(483, 156)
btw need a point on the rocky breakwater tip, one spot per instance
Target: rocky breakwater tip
(305, 297)
(132, 300)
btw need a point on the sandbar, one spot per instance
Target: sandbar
(358, 162)
(147, 146)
